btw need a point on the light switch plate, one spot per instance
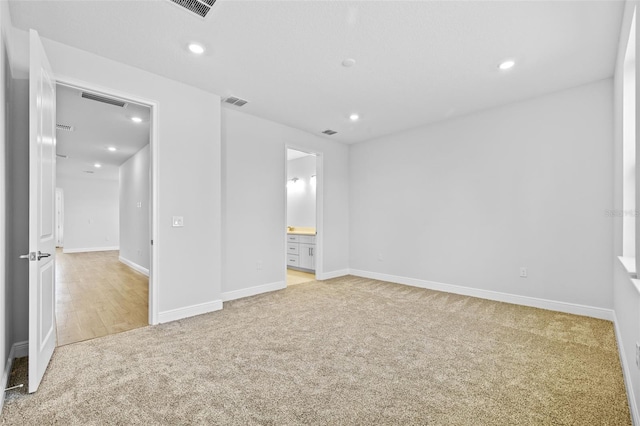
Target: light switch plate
(177, 221)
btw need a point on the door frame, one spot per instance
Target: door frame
(154, 276)
(319, 207)
(59, 220)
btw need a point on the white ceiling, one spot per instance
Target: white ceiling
(417, 61)
(97, 126)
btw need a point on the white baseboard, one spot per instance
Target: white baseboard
(252, 291)
(18, 350)
(189, 311)
(332, 274)
(552, 305)
(21, 349)
(626, 374)
(134, 266)
(86, 250)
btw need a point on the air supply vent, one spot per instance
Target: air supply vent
(329, 132)
(104, 99)
(199, 7)
(235, 101)
(65, 127)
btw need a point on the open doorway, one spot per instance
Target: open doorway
(103, 177)
(301, 216)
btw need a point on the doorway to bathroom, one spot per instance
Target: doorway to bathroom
(301, 247)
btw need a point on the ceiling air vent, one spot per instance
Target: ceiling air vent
(235, 101)
(104, 99)
(65, 127)
(329, 132)
(199, 7)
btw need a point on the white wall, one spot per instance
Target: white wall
(469, 201)
(254, 152)
(188, 269)
(301, 195)
(134, 209)
(626, 297)
(91, 214)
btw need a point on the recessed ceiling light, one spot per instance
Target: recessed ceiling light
(196, 48)
(136, 119)
(354, 117)
(97, 165)
(506, 65)
(112, 148)
(349, 62)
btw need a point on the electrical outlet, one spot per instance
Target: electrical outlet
(637, 354)
(523, 272)
(177, 221)
(259, 265)
(380, 259)
(139, 253)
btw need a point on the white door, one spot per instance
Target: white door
(42, 174)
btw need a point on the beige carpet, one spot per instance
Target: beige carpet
(348, 351)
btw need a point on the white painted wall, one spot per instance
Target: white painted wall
(188, 269)
(301, 195)
(254, 153)
(17, 172)
(91, 214)
(134, 209)
(471, 200)
(626, 296)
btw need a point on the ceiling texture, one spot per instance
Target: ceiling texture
(416, 62)
(96, 127)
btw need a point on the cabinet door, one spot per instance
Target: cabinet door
(305, 254)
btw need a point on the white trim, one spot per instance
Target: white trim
(332, 274)
(252, 291)
(626, 374)
(189, 311)
(18, 350)
(86, 250)
(134, 266)
(21, 349)
(552, 305)
(154, 138)
(5, 376)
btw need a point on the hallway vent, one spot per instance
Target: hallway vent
(199, 7)
(329, 132)
(235, 101)
(65, 127)
(104, 99)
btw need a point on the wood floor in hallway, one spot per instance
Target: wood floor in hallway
(299, 277)
(97, 295)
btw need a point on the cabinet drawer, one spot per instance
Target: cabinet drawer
(292, 238)
(292, 248)
(308, 239)
(292, 260)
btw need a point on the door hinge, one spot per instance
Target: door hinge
(151, 242)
